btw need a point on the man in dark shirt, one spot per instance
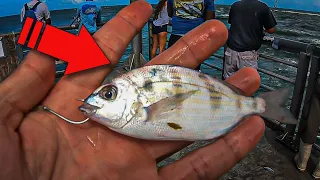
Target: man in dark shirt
(248, 19)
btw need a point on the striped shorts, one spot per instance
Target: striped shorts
(236, 60)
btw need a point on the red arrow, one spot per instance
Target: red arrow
(81, 52)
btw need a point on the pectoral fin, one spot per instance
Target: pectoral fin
(169, 104)
(138, 111)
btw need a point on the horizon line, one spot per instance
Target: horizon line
(308, 11)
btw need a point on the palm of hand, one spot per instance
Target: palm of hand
(87, 152)
(37, 144)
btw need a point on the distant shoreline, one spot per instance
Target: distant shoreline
(221, 5)
(69, 9)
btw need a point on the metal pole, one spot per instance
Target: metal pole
(300, 83)
(287, 138)
(137, 49)
(224, 59)
(314, 70)
(19, 51)
(136, 58)
(149, 39)
(137, 46)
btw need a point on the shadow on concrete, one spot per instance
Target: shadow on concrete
(270, 160)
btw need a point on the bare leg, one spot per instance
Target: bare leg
(155, 45)
(163, 41)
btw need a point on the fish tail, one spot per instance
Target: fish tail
(274, 103)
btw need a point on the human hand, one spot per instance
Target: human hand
(38, 145)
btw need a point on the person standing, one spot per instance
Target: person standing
(90, 14)
(248, 19)
(37, 10)
(187, 15)
(159, 28)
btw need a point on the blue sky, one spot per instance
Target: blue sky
(12, 7)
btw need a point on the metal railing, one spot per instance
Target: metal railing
(305, 53)
(265, 71)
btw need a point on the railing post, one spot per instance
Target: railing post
(19, 50)
(136, 58)
(137, 49)
(314, 71)
(298, 92)
(149, 38)
(223, 60)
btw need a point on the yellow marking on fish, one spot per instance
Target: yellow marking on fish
(255, 104)
(217, 103)
(215, 98)
(218, 93)
(239, 103)
(174, 126)
(215, 95)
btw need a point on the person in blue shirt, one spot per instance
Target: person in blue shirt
(187, 15)
(90, 14)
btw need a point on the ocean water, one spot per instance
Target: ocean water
(294, 25)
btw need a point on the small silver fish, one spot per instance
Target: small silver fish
(167, 102)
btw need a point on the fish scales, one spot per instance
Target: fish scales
(166, 102)
(163, 81)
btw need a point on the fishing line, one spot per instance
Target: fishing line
(62, 117)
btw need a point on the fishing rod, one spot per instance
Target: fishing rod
(276, 4)
(75, 18)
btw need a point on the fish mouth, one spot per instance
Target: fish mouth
(88, 109)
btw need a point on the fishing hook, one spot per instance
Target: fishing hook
(62, 117)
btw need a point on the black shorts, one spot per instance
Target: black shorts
(173, 39)
(158, 29)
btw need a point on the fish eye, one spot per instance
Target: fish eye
(109, 92)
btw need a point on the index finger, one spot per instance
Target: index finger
(195, 46)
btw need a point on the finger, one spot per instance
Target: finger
(246, 79)
(28, 84)
(246, 76)
(113, 39)
(212, 161)
(196, 46)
